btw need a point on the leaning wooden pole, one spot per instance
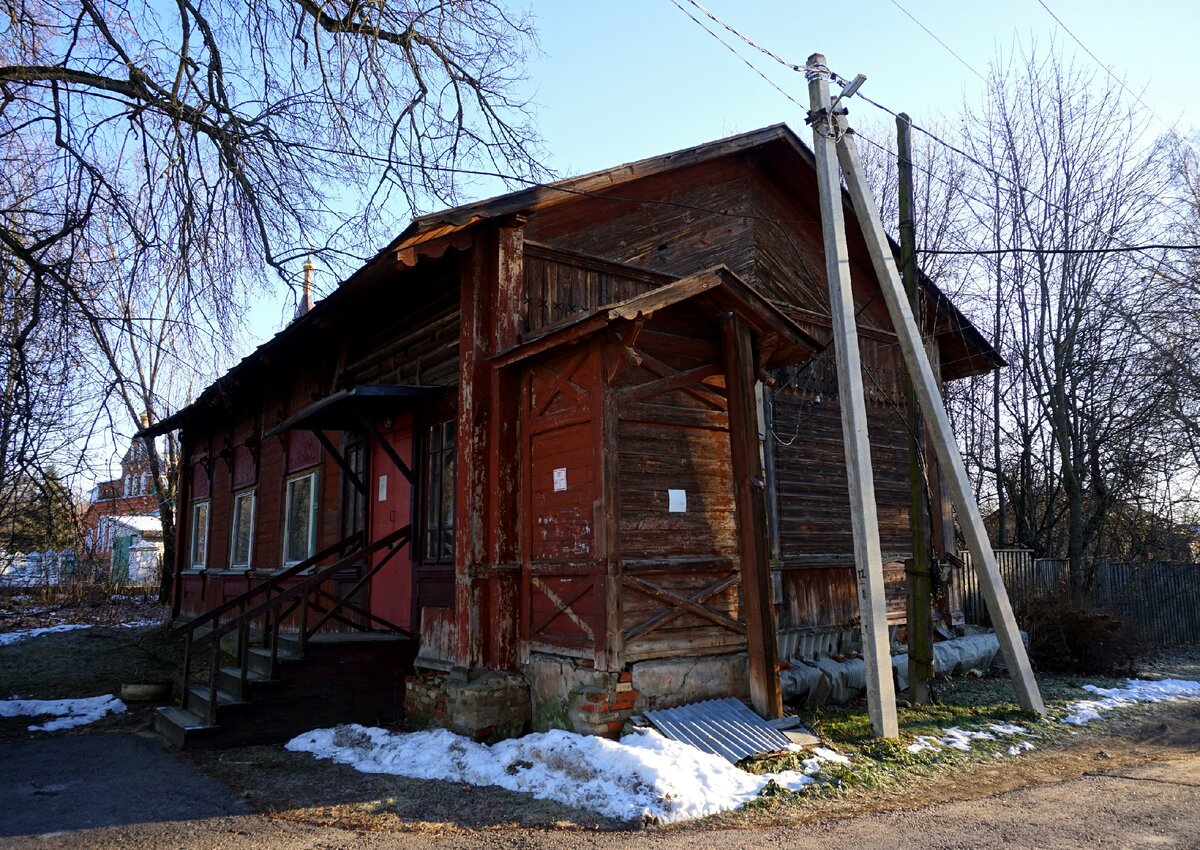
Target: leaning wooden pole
(938, 423)
(872, 603)
(919, 584)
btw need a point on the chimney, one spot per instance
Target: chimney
(306, 297)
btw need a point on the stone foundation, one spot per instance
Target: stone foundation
(554, 692)
(569, 694)
(490, 707)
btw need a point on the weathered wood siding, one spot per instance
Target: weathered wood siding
(559, 284)
(771, 239)
(563, 580)
(674, 435)
(701, 227)
(816, 547)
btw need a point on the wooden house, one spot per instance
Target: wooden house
(548, 459)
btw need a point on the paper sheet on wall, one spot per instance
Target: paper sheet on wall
(677, 501)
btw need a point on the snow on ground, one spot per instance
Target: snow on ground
(963, 739)
(69, 713)
(17, 637)
(644, 775)
(1135, 691)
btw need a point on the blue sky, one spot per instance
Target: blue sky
(624, 79)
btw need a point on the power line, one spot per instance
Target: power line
(1171, 128)
(729, 47)
(998, 175)
(933, 35)
(1123, 250)
(790, 65)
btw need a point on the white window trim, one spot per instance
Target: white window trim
(196, 505)
(312, 520)
(233, 529)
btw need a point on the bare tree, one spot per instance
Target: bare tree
(186, 152)
(1072, 183)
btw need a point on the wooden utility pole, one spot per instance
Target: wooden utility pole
(982, 557)
(872, 604)
(919, 582)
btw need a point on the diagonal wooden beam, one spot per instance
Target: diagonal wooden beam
(664, 617)
(564, 608)
(687, 605)
(661, 369)
(679, 381)
(561, 382)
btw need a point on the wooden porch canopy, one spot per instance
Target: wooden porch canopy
(718, 290)
(750, 335)
(344, 409)
(358, 407)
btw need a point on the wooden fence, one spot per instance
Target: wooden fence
(1160, 599)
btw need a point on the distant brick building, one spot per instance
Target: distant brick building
(130, 495)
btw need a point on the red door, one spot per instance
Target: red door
(390, 495)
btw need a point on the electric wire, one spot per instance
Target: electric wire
(730, 48)
(1171, 128)
(934, 36)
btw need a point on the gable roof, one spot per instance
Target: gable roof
(430, 235)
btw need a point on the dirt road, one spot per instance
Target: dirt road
(108, 791)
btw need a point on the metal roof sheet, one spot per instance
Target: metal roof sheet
(724, 727)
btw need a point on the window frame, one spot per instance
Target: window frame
(193, 563)
(429, 498)
(314, 475)
(233, 529)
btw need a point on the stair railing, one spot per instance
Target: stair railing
(282, 599)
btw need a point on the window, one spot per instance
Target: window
(300, 519)
(354, 502)
(439, 494)
(243, 529)
(199, 549)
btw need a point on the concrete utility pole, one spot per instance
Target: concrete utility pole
(915, 358)
(919, 582)
(872, 604)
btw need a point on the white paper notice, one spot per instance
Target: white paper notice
(560, 479)
(677, 501)
(383, 488)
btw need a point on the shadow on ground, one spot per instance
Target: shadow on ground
(56, 784)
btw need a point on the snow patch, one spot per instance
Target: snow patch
(1135, 691)
(17, 637)
(963, 739)
(642, 776)
(69, 713)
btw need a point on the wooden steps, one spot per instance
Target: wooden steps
(352, 677)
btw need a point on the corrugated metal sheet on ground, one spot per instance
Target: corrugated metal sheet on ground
(725, 727)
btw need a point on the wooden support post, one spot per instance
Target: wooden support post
(749, 500)
(504, 572)
(918, 578)
(872, 603)
(938, 423)
(486, 570)
(606, 415)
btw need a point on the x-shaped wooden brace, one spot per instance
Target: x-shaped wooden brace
(561, 381)
(681, 605)
(687, 381)
(563, 606)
